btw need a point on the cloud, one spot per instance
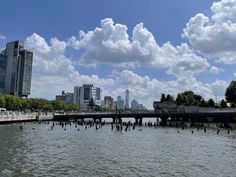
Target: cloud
(214, 36)
(185, 63)
(218, 89)
(146, 90)
(53, 71)
(2, 37)
(49, 58)
(111, 44)
(214, 70)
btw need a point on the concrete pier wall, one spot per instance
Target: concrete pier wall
(8, 117)
(17, 117)
(45, 116)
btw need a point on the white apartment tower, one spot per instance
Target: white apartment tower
(83, 94)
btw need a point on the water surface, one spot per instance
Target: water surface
(38, 151)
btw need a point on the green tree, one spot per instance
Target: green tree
(197, 98)
(188, 98)
(26, 103)
(57, 105)
(74, 107)
(47, 106)
(18, 103)
(2, 101)
(169, 98)
(223, 104)
(11, 102)
(204, 103)
(100, 109)
(211, 102)
(163, 97)
(35, 104)
(179, 98)
(230, 93)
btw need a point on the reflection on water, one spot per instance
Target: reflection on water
(36, 150)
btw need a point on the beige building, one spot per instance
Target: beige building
(108, 103)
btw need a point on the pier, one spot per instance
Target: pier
(225, 117)
(206, 117)
(11, 117)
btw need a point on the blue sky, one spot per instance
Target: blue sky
(154, 46)
(164, 18)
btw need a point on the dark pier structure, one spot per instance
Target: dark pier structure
(206, 117)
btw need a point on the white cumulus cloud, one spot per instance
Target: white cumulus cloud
(53, 71)
(215, 70)
(146, 89)
(214, 36)
(110, 43)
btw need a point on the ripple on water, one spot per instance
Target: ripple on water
(38, 151)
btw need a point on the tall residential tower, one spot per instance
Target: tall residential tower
(18, 69)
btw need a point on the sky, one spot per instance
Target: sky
(149, 46)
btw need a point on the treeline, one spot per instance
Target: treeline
(34, 104)
(190, 98)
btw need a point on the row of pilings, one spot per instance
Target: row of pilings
(118, 120)
(121, 127)
(163, 122)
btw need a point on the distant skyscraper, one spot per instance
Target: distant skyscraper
(120, 103)
(18, 70)
(127, 99)
(136, 106)
(83, 94)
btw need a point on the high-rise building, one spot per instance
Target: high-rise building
(120, 103)
(3, 65)
(127, 99)
(108, 102)
(76, 94)
(83, 94)
(136, 106)
(18, 71)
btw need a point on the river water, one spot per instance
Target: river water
(37, 151)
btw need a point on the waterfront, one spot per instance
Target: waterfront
(37, 150)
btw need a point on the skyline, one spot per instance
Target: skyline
(154, 47)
